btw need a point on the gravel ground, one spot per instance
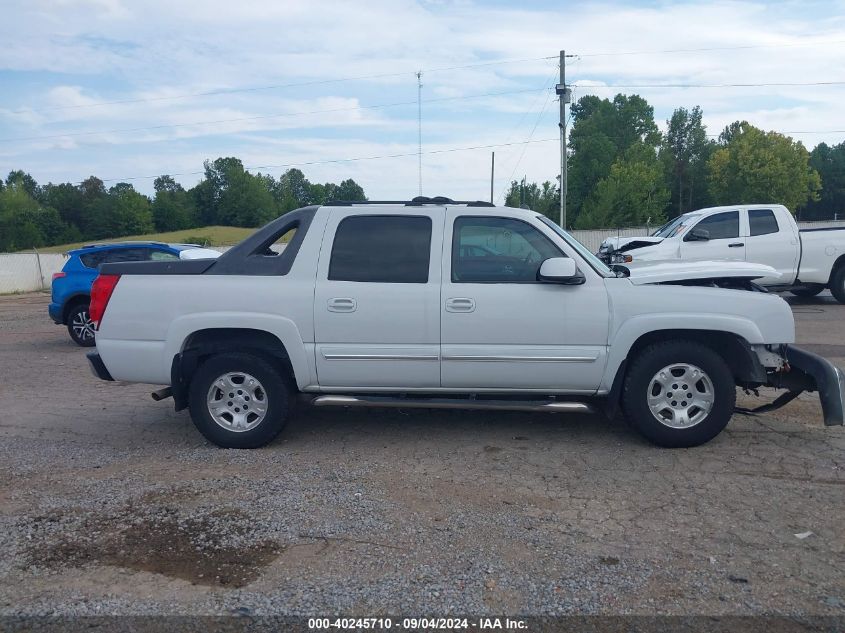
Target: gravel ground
(113, 504)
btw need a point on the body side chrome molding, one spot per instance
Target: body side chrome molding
(380, 356)
(522, 359)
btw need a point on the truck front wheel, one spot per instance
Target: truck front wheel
(679, 394)
(239, 401)
(837, 283)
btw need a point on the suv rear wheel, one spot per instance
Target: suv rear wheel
(239, 401)
(80, 326)
(679, 394)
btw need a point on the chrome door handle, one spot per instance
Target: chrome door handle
(343, 304)
(460, 304)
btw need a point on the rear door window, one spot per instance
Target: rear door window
(119, 255)
(381, 249)
(762, 222)
(93, 260)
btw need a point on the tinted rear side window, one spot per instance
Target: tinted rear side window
(381, 249)
(762, 222)
(128, 255)
(93, 260)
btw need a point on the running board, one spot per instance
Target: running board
(550, 406)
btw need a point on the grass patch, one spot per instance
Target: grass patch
(212, 235)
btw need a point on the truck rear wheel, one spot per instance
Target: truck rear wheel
(239, 401)
(837, 283)
(807, 291)
(679, 394)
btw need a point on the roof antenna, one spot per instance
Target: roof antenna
(419, 125)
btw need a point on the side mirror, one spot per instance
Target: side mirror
(560, 270)
(698, 235)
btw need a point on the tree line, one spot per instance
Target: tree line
(33, 215)
(624, 172)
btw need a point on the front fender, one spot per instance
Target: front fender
(635, 327)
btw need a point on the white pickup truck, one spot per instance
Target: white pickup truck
(442, 304)
(807, 260)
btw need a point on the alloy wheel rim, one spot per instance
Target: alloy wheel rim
(83, 326)
(237, 401)
(680, 395)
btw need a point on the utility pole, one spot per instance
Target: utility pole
(419, 126)
(564, 94)
(492, 174)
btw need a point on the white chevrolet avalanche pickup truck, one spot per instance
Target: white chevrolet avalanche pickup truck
(807, 260)
(442, 304)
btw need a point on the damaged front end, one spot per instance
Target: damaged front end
(797, 370)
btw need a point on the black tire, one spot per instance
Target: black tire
(275, 392)
(638, 383)
(837, 283)
(79, 325)
(807, 291)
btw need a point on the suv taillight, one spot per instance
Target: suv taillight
(100, 294)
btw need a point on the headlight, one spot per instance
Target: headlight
(621, 258)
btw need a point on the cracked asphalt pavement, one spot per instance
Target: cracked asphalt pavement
(111, 503)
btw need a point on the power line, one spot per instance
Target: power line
(739, 85)
(343, 160)
(301, 84)
(526, 142)
(262, 117)
(320, 82)
(711, 49)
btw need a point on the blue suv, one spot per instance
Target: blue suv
(71, 291)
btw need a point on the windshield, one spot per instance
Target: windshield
(583, 251)
(675, 227)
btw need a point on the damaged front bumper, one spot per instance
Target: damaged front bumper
(810, 372)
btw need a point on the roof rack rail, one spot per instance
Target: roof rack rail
(415, 202)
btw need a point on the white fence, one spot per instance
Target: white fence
(24, 272)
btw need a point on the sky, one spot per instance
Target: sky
(129, 89)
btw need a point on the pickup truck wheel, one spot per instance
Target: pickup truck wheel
(679, 394)
(807, 291)
(238, 401)
(837, 283)
(80, 326)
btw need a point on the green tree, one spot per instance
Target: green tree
(632, 194)
(68, 200)
(123, 211)
(753, 166)
(20, 216)
(246, 201)
(543, 198)
(349, 190)
(21, 179)
(219, 175)
(602, 131)
(294, 190)
(172, 208)
(684, 153)
(830, 163)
